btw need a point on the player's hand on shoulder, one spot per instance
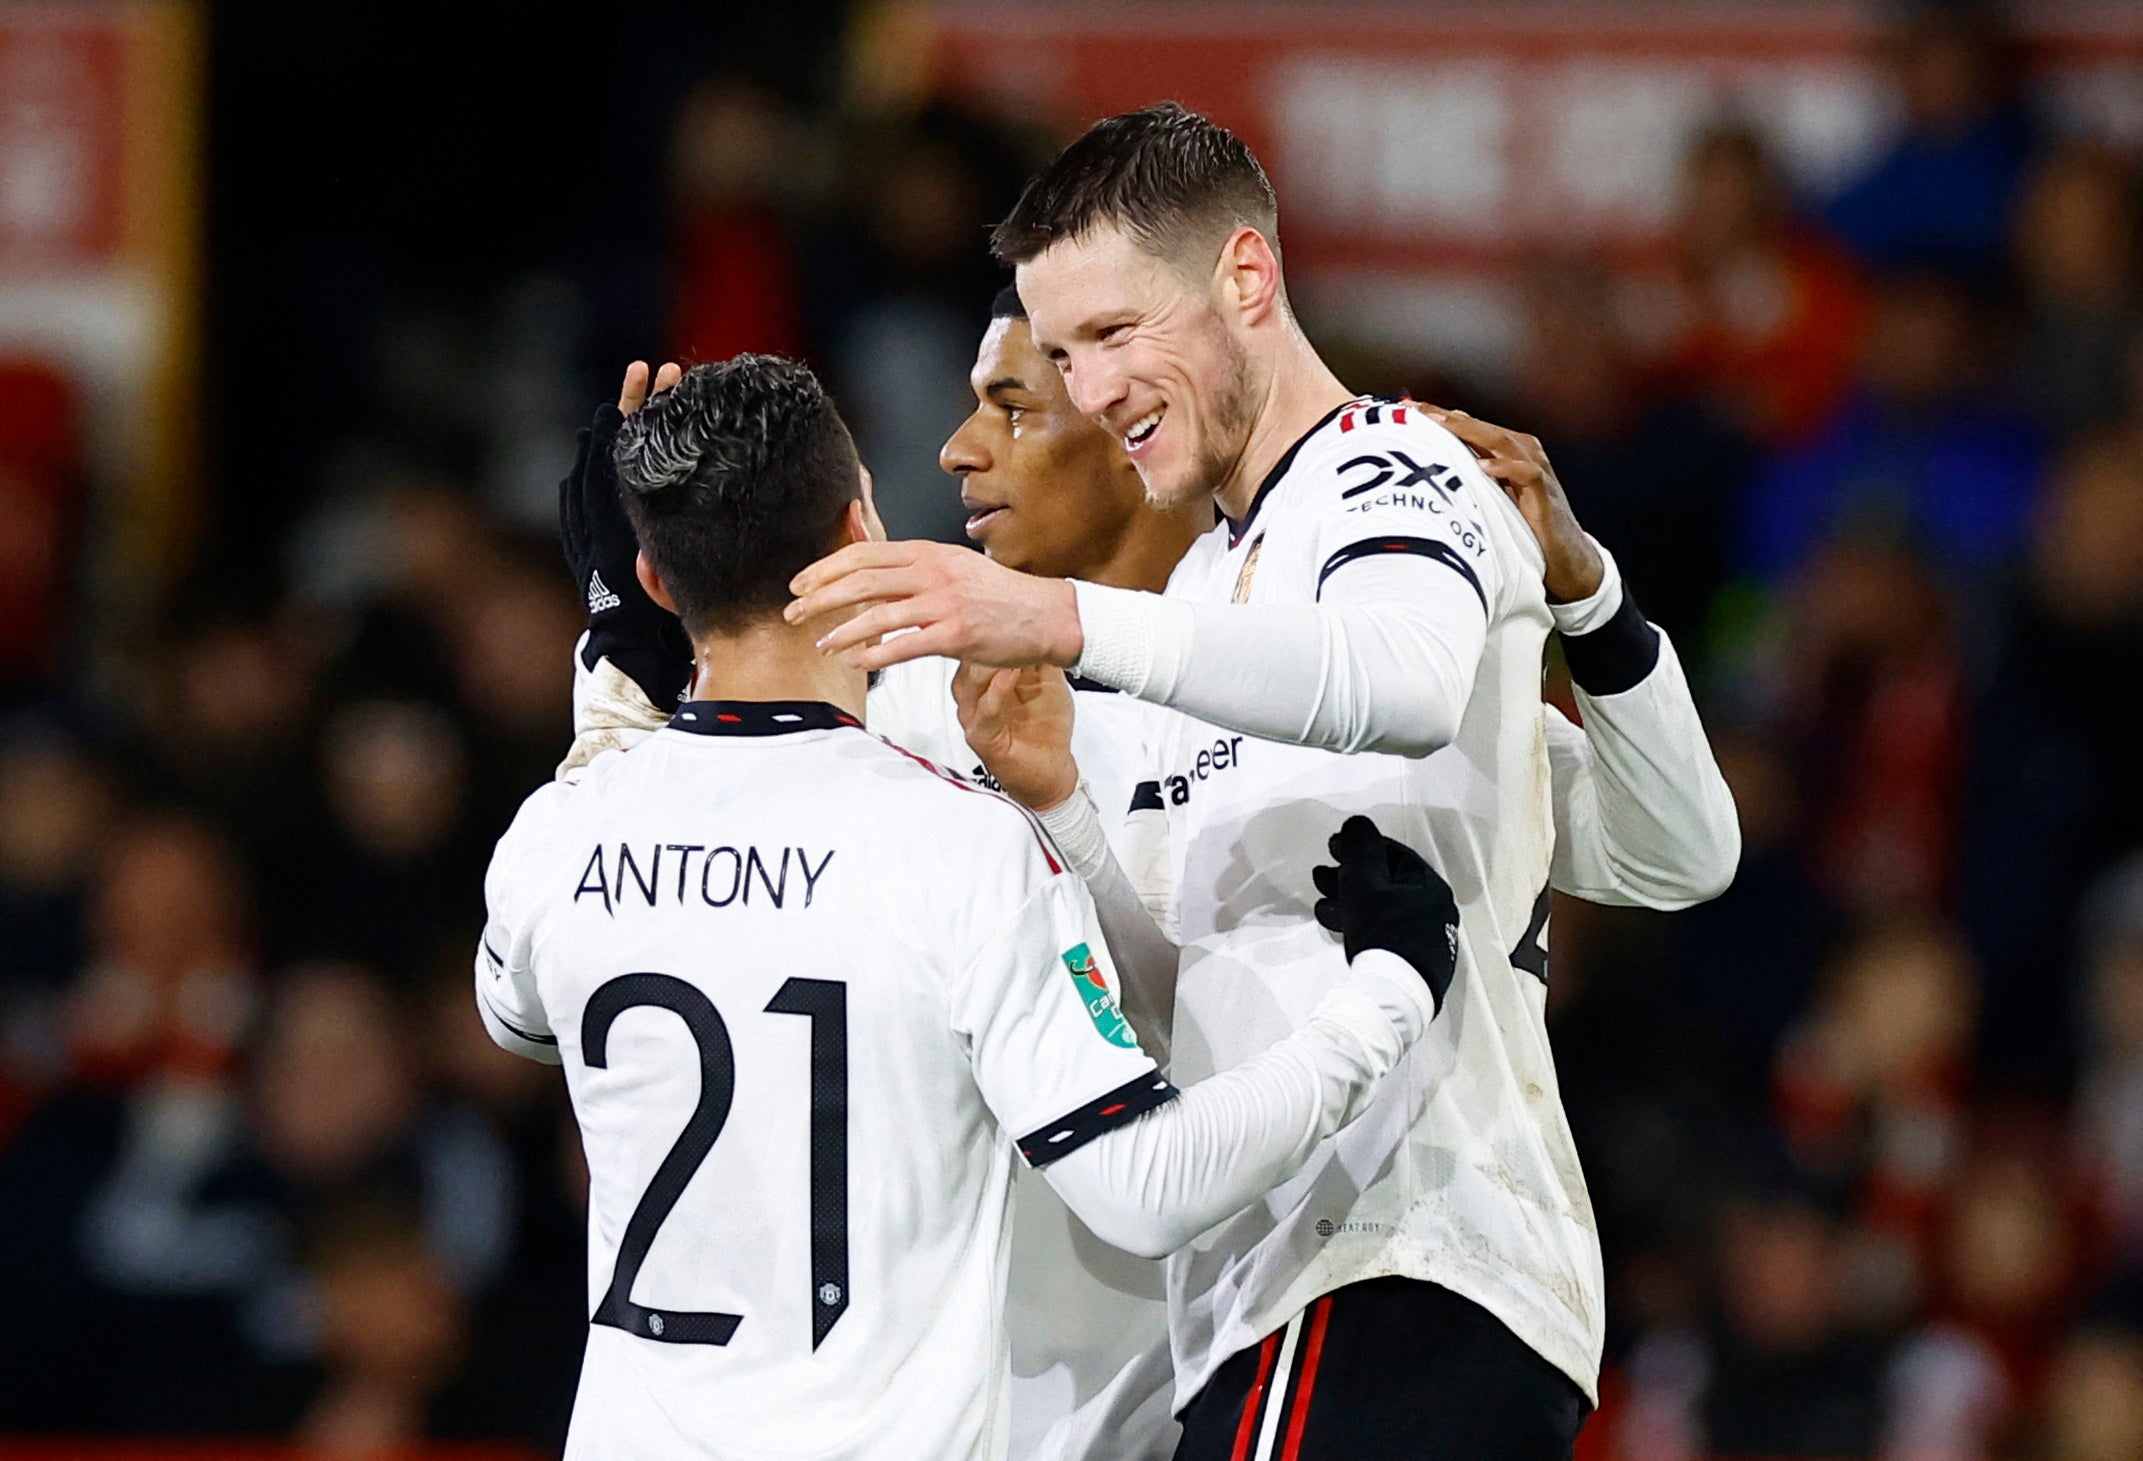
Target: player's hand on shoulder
(1019, 722)
(625, 626)
(1381, 894)
(1519, 465)
(959, 603)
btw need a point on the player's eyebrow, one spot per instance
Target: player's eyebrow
(1004, 384)
(1108, 319)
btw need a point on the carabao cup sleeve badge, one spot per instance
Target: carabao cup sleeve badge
(1094, 993)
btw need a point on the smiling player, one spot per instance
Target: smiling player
(1372, 592)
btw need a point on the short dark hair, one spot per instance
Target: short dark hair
(735, 480)
(1174, 180)
(1008, 305)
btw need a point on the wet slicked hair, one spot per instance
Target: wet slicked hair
(1176, 182)
(736, 479)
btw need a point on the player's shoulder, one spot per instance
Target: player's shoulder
(964, 820)
(541, 824)
(1389, 465)
(1379, 444)
(544, 808)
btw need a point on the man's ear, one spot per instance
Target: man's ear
(652, 582)
(862, 524)
(1250, 268)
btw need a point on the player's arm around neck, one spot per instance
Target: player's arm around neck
(1642, 815)
(1385, 662)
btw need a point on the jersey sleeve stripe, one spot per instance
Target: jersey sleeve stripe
(1442, 553)
(515, 1030)
(1098, 1117)
(1050, 855)
(1619, 655)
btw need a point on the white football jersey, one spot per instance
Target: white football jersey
(805, 988)
(1088, 1323)
(1463, 1172)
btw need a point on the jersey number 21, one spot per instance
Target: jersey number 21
(825, 1003)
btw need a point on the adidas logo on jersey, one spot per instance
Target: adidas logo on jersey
(599, 595)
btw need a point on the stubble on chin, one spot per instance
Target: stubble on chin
(1234, 408)
(1230, 415)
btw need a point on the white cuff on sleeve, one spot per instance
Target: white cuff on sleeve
(1588, 614)
(1075, 825)
(1401, 997)
(1135, 642)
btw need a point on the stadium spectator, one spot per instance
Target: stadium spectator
(390, 862)
(1661, 473)
(2109, 1106)
(1920, 452)
(2054, 796)
(392, 1332)
(1944, 188)
(2076, 252)
(1768, 309)
(2093, 1409)
(229, 714)
(54, 805)
(734, 176)
(1787, 1377)
(1872, 1091)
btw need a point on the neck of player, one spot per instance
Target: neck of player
(1150, 547)
(1299, 392)
(770, 659)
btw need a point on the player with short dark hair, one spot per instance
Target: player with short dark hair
(739, 469)
(1170, 179)
(808, 989)
(1372, 593)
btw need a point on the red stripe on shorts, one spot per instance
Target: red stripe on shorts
(1247, 1431)
(1311, 1349)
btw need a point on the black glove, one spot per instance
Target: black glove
(1383, 896)
(625, 626)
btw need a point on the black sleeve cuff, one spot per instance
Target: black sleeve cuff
(1618, 655)
(1428, 548)
(1098, 1117)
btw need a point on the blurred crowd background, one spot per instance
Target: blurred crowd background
(1865, 1135)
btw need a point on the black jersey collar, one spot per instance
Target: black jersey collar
(759, 717)
(1279, 470)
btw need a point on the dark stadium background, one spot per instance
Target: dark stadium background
(285, 638)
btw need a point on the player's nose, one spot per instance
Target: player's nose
(964, 451)
(1094, 387)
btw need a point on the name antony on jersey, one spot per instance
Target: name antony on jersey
(621, 878)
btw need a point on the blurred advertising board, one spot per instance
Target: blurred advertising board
(1423, 146)
(99, 288)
